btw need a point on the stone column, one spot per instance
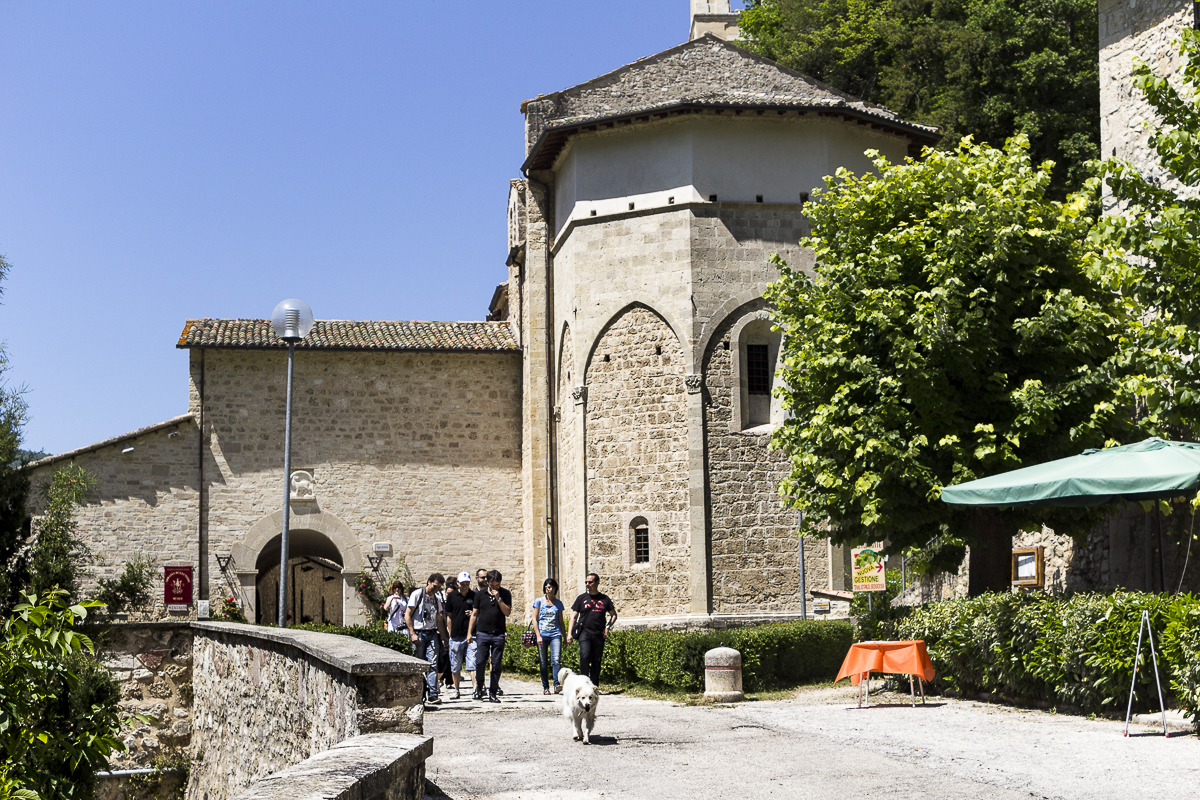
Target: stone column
(579, 395)
(353, 612)
(698, 528)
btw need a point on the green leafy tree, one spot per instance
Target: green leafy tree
(983, 68)
(1149, 249)
(14, 484)
(130, 589)
(58, 705)
(952, 331)
(58, 555)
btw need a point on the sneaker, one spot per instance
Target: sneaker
(456, 695)
(500, 692)
(477, 696)
(493, 699)
(434, 700)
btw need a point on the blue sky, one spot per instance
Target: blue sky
(164, 161)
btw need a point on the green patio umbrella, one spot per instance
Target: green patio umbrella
(1151, 470)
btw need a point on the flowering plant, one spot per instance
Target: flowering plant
(368, 590)
(230, 611)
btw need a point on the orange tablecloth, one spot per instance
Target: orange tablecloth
(907, 658)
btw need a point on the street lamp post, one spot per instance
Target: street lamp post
(292, 320)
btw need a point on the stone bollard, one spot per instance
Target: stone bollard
(723, 675)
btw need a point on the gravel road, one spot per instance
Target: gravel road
(817, 745)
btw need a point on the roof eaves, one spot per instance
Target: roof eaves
(109, 442)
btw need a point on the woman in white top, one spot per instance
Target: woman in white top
(394, 607)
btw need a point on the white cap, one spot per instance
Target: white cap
(464, 576)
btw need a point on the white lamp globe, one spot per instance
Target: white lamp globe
(292, 320)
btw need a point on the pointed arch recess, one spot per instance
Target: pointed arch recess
(611, 318)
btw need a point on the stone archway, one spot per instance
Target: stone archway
(319, 536)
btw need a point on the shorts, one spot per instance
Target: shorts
(471, 649)
(458, 650)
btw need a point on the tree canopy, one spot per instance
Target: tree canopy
(983, 68)
(955, 328)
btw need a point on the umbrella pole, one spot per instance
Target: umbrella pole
(1162, 580)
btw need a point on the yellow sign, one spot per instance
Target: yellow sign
(868, 569)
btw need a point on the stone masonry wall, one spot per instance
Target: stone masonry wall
(637, 464)
(755, 550)
(152, 662)
(145, 502)
(421, 450)
(1145, 31)
(266, 699)
(569, 477)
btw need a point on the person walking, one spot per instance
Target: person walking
(548, 611)
(458, 612)
(394, 607)
(425, 619)
(473, 646)
(589, 627)
(489, 618)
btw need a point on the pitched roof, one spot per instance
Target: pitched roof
(336, 334)
(174, 422)
(707, 73)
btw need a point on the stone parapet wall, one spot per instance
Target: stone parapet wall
(268, 698)
(379, 766)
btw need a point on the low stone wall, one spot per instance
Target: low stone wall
(268, 698)
(152, 662)
(379, 766)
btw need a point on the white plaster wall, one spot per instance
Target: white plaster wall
(736, 158)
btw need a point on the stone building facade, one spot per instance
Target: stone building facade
(612, 415)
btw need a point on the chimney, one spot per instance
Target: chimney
(715, 17)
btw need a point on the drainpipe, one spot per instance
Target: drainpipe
(201, 534)
(803, 589)
(549, 464)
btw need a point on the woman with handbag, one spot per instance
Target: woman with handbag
(549, 631)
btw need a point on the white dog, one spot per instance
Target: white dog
(580, 698)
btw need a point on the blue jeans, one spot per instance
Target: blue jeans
(429, 647)
(552, 646)
(491, 646)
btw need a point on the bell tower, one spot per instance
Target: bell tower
(715, 17)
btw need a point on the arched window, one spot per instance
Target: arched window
(757, 356)
(641, 542)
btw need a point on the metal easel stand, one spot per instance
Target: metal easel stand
(1144, 624)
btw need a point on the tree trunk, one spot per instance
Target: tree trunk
(990, 562)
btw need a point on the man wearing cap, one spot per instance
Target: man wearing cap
(458, 612)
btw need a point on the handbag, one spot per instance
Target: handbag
(529, 638)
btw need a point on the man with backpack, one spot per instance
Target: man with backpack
(425, 619)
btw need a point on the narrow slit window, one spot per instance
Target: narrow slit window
(641, 544)
(758, 374)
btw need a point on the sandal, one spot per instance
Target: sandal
(545, 691)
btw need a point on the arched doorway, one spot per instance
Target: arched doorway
(314, 580)
(320, 546)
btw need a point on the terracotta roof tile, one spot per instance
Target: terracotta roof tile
(480, 337)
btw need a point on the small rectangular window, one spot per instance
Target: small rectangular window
(641, 545)
(758, 373)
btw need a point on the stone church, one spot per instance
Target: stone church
(612, 413)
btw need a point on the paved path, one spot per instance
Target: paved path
(816, 746)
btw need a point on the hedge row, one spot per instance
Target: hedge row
(375, 634)
(772, 655)
(1075, 651)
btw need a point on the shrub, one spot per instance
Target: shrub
(230, 610)
(1074, 651)
(375, 634)
(772, 655)
(130, 589)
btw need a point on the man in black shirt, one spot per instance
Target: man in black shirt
(458, 611)
(589, 610)
(489, 618)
